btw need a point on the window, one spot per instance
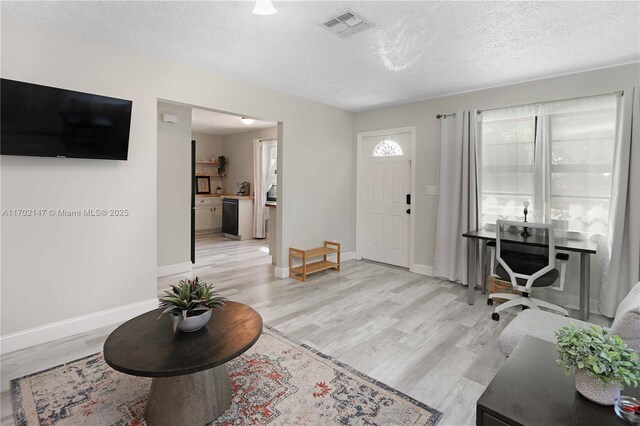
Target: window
(507, 172)
(582, 145)
(387, 148)
(270, 163)
(566, 147)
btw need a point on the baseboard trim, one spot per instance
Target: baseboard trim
(178, 268)
(422, 269)
(61, 329)
(348, 255)
(281, 272)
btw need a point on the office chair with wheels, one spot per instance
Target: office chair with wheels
(563, 258)
(526, 262)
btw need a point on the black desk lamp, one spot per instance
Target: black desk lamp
(525, 233)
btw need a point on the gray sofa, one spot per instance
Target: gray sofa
(543, 325)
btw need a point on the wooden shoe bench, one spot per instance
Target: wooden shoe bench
(300, 272)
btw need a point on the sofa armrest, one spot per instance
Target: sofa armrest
(536, 323)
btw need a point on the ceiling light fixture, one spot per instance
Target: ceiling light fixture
(264, 7)
(247, 121)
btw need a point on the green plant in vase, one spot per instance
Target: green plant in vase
(603, 364)
(190, 304)
(222, 164)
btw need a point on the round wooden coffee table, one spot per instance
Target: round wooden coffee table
(190, 383)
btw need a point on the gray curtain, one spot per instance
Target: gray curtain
(623, 268)
(458, 194)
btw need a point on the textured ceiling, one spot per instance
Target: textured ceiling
(414, 51)
(216, 123)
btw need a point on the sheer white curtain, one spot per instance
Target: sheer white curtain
(622, 270)
(507, 159)
(264, 167)
(574, 162)
(574, 165)
(458, 199)
(556, 155)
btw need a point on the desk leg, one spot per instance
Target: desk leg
(585, 284)
(471, 268)
(484, 251)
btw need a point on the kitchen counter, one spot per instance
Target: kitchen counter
(235, 197)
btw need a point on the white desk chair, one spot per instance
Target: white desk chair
(563, 258)
(524, 268)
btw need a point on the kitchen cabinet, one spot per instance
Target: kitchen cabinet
(217, 214)
(208, 214)
(203, 219)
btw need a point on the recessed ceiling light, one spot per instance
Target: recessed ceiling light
(247, 121)
(264, 7)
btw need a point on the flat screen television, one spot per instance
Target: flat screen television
(45, 121)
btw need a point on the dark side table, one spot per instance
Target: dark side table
(531, 389)
(191, 384)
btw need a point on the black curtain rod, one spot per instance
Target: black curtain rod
(451, 114)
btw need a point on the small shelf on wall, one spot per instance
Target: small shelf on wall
(209, 174)
(211, 163)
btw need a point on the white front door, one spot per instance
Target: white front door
(384, 188)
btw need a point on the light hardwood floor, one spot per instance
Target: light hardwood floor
(412, 332)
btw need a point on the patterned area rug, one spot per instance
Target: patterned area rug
(278, 381)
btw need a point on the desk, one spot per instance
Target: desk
(562, 242)
(530, 389)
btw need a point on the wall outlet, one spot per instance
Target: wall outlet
(432, 190)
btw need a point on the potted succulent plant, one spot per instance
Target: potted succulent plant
(602, 363)
(219, 190)
(190, 304)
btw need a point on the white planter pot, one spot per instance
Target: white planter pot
(194, 323)
(594, 390)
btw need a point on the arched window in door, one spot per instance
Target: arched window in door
(387, 148)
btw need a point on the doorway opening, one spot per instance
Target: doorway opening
(208, 158)
(230, 203)
(385, 196)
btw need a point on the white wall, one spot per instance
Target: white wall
(238, 148)
(174, 186)
(66, 268)
(422, 115)
(207, 146)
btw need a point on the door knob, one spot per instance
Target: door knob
(408, 211)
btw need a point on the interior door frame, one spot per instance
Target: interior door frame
(360, 211)
(194, 187)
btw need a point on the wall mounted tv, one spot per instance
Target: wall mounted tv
(44, 121)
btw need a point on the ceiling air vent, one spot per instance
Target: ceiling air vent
(346, 24)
